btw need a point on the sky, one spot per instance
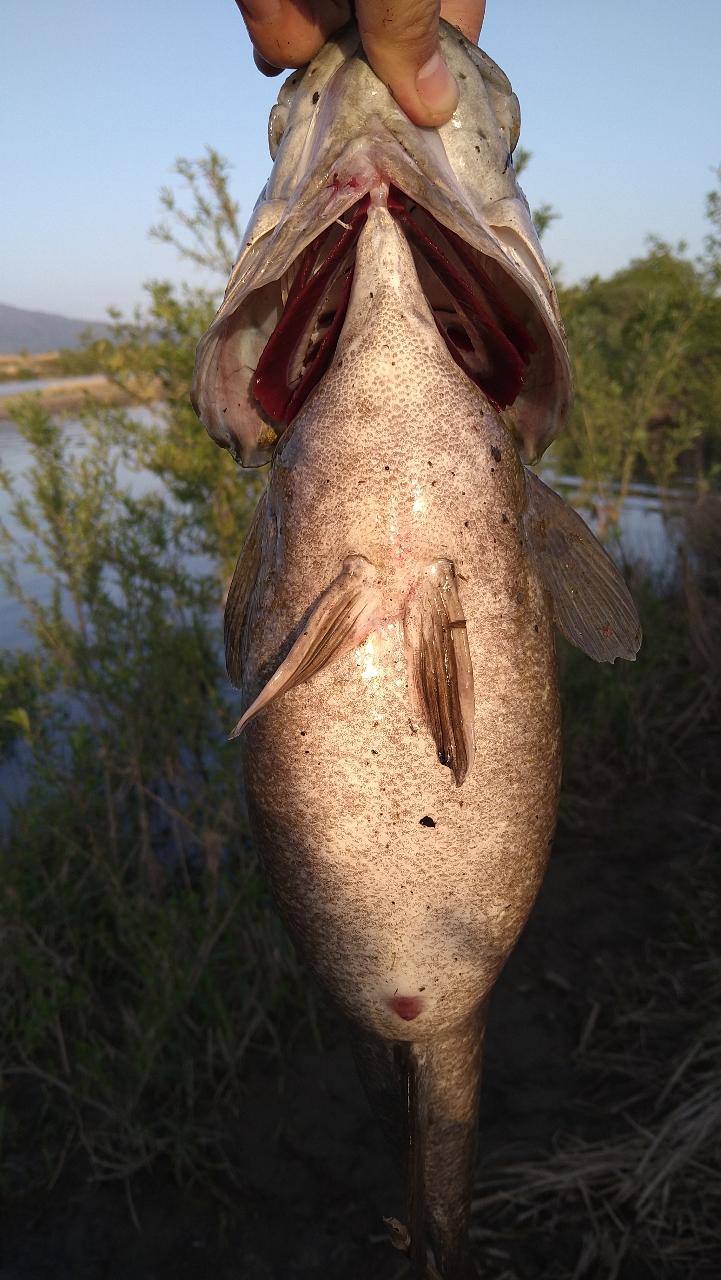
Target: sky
(620, 102)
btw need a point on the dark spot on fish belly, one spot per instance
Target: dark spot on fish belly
(504, 517)
(315, 98)
(495, 453)
(407, 1007)
(426, 822)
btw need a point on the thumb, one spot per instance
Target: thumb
(400, 38)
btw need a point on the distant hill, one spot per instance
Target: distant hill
(37, 331)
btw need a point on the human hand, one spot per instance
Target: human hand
(400, 38)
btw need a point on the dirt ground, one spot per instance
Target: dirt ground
(317, 1177)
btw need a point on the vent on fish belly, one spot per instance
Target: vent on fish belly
(438, 656)
(483, 335)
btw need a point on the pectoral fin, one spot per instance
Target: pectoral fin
(340, 620)
(440, 666)
(592, 606)
(241, 589)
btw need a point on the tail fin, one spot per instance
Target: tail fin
(440, 666)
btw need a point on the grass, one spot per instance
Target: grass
(140, 961)
(641, 1197)
(647, 1195)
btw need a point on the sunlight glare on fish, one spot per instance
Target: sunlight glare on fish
(366, 655)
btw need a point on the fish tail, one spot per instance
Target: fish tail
(425, 1096)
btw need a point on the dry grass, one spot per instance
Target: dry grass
(645, 1199)
(14, 368)
(639, 1194)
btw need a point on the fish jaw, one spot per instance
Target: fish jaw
(337, 135)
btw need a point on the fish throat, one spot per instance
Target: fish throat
(485, 338)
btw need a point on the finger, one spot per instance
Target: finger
(400, 38)
(288, 33)
(265, 68)
(467, 15)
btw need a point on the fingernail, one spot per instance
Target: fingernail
(436, 87)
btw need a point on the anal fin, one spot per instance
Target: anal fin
(592, 606)
(439, 660)
(339, 621)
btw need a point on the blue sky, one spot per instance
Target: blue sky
(621, 106)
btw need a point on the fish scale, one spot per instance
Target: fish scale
(391, 618)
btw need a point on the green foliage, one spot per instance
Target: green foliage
(545, 215)
(646, 352)
(151, 358)
(212, 222)
(139, 961)
(77, 363)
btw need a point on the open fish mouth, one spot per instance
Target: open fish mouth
(337, 135)
(483, 335)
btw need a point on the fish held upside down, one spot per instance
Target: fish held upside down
(390, 336)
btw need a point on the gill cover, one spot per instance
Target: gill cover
(335, 134)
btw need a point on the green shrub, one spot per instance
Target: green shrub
(139, 959)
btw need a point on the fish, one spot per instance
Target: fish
(390, 341)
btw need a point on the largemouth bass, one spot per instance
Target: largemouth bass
(390, 338)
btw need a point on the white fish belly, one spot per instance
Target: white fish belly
(404, 892)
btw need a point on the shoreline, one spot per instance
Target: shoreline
(66, 396)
